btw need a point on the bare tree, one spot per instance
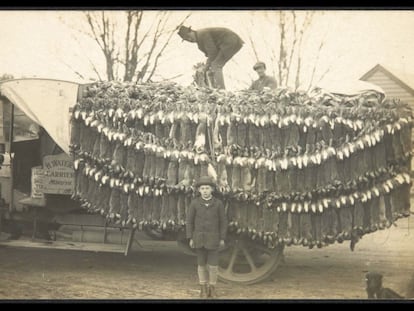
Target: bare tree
(132, 42)
(289, 61)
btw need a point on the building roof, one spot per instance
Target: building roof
(406, 81)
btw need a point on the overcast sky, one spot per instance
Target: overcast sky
(37, 43)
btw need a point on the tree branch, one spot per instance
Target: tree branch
(147, 33)
(315, 64)
(306, 23)
(292, 50)
(104, 30)
(281, 45)
(172, 32)
(144, 68)
(133, 60)
(327, 70)
(256, 55)
(73, 70)
(128, 31)
(92, 27)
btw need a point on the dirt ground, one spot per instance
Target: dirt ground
(165, 272)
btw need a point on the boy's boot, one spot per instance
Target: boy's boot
(212, 291)
(213, 273)
(203, 291)
(203, 280)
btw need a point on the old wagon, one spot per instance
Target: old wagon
(293, 168)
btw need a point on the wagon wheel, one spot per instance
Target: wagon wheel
(247, 262)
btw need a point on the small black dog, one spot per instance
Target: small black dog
(375, 289)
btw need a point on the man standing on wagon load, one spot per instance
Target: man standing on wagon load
(218, 44)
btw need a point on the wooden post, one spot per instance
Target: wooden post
(1, 206)
(105, 232)
(1, 217)
(34, 223)
(130, 241)
(11, 134)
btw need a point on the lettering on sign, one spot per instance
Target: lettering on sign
(59, 175)
(38, 183)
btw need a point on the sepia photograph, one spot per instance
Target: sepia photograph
(206, 155)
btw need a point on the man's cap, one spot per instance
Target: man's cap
(205, 180)
(258, 65)
(183, 30)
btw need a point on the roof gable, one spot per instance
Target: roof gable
(390, 75)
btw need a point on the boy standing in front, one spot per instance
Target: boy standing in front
(206, 228)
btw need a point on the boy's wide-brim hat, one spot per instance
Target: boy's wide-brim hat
(205, 180)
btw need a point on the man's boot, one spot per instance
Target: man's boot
(212, 291)
(218, 78)
(210, 79)
(203, 291)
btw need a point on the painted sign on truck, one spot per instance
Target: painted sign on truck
(58, 174)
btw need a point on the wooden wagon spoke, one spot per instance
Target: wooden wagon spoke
(249, 259)
(233, 258)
